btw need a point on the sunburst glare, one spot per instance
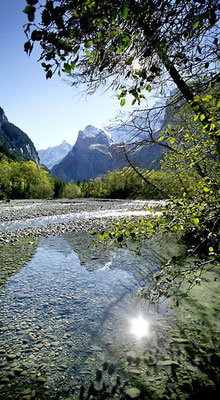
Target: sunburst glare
(139, 327)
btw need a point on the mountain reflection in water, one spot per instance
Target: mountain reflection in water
(66, 306)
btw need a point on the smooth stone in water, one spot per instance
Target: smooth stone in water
(131, 356)
(11, 357)
(4, 380)
(135, 371)
(133, 393)
(41, 380)
(26, 391)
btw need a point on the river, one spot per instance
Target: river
(74, 326)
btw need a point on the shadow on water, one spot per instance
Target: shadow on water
(65, 327)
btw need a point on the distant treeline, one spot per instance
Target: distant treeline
(125, 183)
(26, 180)
(20, 179)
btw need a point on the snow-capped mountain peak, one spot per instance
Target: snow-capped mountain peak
(53, 155)
(92, 135)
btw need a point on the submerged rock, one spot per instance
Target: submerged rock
(41, 380)
(11, 357)
(131, 356)
(132, 393)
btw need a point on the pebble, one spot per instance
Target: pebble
(62, 366)
(131, 356)
(168, 362)
(4, 380)
(133, 393)
(27, 391)
(96, 348)
(11, 374)
(3, 328)
(11, 356)
(135, 371)
(41, 380)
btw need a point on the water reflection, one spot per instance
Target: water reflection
(71, 318)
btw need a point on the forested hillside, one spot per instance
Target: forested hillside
(15, 142)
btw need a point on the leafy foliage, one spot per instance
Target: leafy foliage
(19, 179)
(125, 183)
(137, 43)
(192, 215)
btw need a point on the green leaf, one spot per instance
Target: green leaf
(161, 138)
(120, 49)
(49, 74)
(129, 61)
(36, 35)
(88, 53)
(196, 24)
(93, 232)
(29, 10)
(122, 102)
(88, 44)
(202, 117)
(101, 34)
(211, 249)
(124, 12)
(67, 68)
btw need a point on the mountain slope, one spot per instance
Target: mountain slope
(15, 141)
(89, 157)
(95, 153)
(53, 155)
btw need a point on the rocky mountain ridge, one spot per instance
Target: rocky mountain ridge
(95, 153)
(16, 142)
(53, 155)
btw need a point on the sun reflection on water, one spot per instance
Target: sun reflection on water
(139, 327)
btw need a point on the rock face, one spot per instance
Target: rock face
(14, 141)
(53, 155)
(90, 156)
(95, 153)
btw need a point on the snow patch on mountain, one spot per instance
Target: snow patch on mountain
(53, 155)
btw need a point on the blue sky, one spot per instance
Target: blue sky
(49, 111)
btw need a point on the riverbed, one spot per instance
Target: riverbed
(72, 322)
(22, 218)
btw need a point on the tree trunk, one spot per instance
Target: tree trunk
(189, 96)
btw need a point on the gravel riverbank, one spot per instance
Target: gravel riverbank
(89, 213)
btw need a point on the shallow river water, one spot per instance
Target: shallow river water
(72, 325)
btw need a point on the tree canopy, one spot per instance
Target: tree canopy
(131, 40)
(136, 43)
